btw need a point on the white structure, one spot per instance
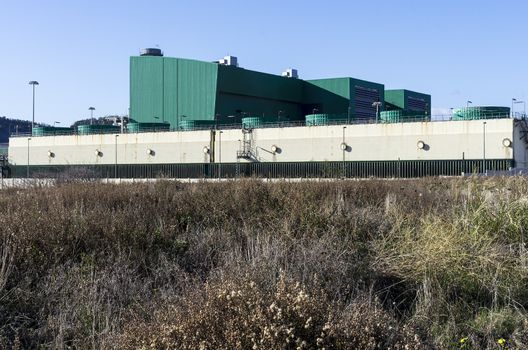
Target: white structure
(291, 73)
(494, 139)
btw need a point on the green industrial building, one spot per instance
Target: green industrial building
(194, 119)
(409, 101)
(179, 91)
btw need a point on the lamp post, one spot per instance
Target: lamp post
(468, 102)
(376, 104)
(348, 115)
(55, 124)
(484, 147)
(33, 83)
(220, 154)
(115, 166)
(343, 148)
(216, 117)
(27, 170)
(513, 102)
(91, 109)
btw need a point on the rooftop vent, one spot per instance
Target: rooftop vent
(151, 52)
(229, 61)
(290, 73)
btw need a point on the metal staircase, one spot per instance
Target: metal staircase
(246, 150)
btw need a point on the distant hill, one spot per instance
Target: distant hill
(11, 126)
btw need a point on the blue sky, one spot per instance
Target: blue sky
(79, 50)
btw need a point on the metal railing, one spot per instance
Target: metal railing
(266, 125)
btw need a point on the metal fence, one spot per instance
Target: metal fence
(278, 124)
(327, 169)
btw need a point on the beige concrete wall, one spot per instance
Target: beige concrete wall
(443, 140)
(167, 147)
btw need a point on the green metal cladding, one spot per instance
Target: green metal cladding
(409, 101)
(350, 96)
(146, 89)
(165, 89)
(173, 90)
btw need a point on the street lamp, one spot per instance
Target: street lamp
(33, 83)
(468, 103)
(343, 148)
(55, 124)
(27, 170)
(91, 109)
(115, 167)
(216, 117)
(511, 111)
(484, 147)
(220, 154)
(376, 104)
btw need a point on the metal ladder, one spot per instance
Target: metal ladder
(246, 147)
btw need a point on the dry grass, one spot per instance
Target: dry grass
(241, 265)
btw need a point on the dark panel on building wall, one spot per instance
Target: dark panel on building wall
(409, 100)
(244, 92)
(346, 96)
(239, 81)
(364, 94)
(240, 106)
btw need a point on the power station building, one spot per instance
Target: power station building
(194, 119)
(175, 90)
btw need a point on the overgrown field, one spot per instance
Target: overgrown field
(410, 264)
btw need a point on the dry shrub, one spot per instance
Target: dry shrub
(239, 314)
(83, 263)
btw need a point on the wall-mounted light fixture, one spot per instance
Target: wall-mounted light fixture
(205, 150)
(274, 149)
(506, 142)
(51, 154)
(98, 153)
(420, 144)
(150, 152)
(343, 146)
